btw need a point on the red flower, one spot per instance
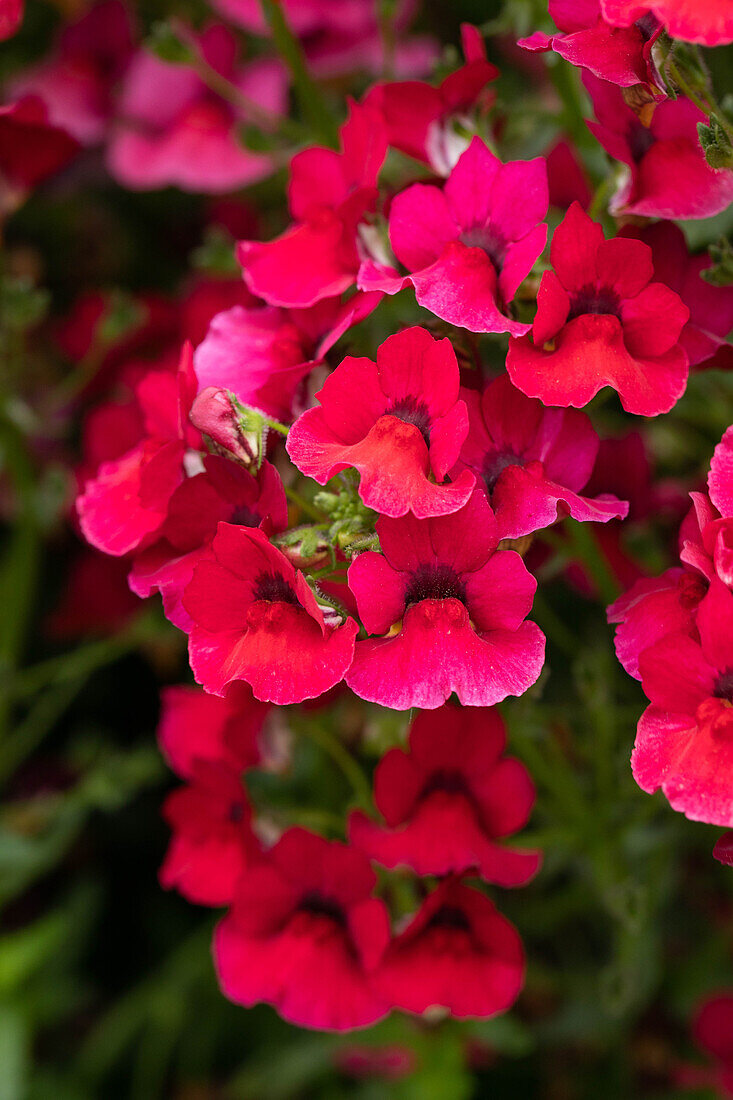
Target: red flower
(329, 194)
(457, 952)
(532, 460)
(196, 727)
(709, 22)
(668, 175)
(448, 800)
(31, 146)
(684, 741)
(11, 16)
(304, 934)
(450, 610)
(398, 421)
(723, 850)
(621, 55)
(263, 354)
(255, 619)
(712, 1029)
(601, 321)
(212, 841)
(223, 492)
(468, 246)
(125, 505)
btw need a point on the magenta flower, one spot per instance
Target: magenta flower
(398, 421)
(32, 147)
(449, 799)
(532, 460)
(457, 952)
(601, 321)
(709, 22)
(11, 16)
(329, 194)
(304, 934)
(684, 742)
(668, 176)
(212, 843)
(196, 727)
(255, 619)
(621, 55)
(223, 492)
(449, 611)
(262, 354)
(711, 307)
(172, 130)
(468, 246)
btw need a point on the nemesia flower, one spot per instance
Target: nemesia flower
(668, 176)
(304, 934)
(255, 619)
(711, 307)
(723, 850)
(449, 799)
(567, 179)
(11, 16)
(448, 610)
(707, 540)
(76, 81)
(458, 952)
(712, 1030)
(621, 55)
(205, 297)
(95, 599)
(172, 130)
(32, 147)
(684, 741)
(212, 842)
(709, 22)
(419, 116)
(468, 246)
(125, 505)
(532, 460)
(398, 421)
(329, 194)
(222, 492)
(262, 354)
(601, 321)
(196, 727)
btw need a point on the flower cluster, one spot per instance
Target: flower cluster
(402, 580)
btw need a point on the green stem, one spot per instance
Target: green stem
(343, 759)
(303, 504)
(312, 103)
(585, 548)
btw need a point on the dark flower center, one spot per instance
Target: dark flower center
(236, 812)
(320, 906)
(495, 464)
(411, 410)
(273, 588)
(435, 582)
(450, 916)
(640, 139)
(452, 782)
(589, 299)
(647, 25)
(724, 686)
(245, 517)
(493, 245)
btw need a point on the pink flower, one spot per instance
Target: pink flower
(711, 307)
(652, 608)
(77, 80)
(449, 610)
(621, 55)
(32, 147)
(684, 741)
(448, 800)
(567, 179)
(329, 194)
(532, 460)
(398, 421)
(304, 934)
(198, 728)
(601, 321)
(709, 22)
(223, 492)
(457, 952)
(213, 843)
(419, 118)
(172, 130)
(468, 246)
(262, 354)
(124, 507)
(255, 619)
(707, 536)
(11, 16)
(723, 851)
(668, 175)
(712, 1029)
